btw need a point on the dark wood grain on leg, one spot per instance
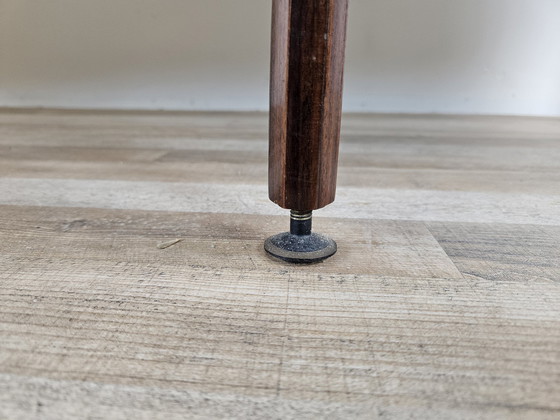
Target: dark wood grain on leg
(308, 40)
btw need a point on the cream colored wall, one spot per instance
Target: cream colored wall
(446, 56)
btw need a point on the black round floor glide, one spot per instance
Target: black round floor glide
(300, 245)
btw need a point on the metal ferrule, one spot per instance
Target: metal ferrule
(300, 223)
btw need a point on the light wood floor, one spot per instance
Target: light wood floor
(442, 302)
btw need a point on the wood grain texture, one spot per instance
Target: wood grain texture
(502, 252)
(443, 301)
(404, 249)
(308, 40)
(453, 153)
(353, 203)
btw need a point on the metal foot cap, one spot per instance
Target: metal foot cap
(302, 249)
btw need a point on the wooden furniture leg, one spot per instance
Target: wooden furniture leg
(308, 40)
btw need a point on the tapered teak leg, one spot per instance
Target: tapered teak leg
(308, 40)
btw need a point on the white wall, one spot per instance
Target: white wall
(446, 56)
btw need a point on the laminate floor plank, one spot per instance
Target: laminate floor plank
(211, 170)
(502, 252)
(352, 202)
(217, 241)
